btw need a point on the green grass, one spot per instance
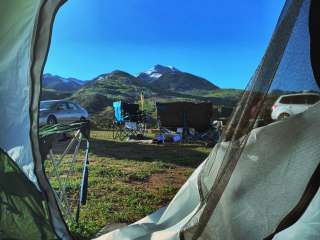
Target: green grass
(127, 181)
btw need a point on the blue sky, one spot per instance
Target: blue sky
(222, 41)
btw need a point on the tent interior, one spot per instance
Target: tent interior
(261, 181)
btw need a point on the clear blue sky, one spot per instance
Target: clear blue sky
(222, 41)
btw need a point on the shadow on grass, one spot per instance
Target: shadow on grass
(178, 154)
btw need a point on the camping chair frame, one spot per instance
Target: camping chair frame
(128, 125)
(122, 130)
(66, 203)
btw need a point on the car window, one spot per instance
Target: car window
(312, 99)
(285, 100)
(61, 106)
(46, 105)
(72, 106)
(299, 99)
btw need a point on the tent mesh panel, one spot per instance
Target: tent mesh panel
(285, 69)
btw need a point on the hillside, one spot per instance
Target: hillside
(159, 84)
(106, 88)
(51, 94)
(58, 83)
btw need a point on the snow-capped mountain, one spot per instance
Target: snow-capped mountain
(166, 78)
(156, 72)
(172, 79)
(55, 82)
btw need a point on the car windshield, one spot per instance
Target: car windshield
(46, 105)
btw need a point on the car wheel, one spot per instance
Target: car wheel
(283, 116)
(52, 120)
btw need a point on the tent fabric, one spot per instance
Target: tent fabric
(279, 62)
(268, 172)
(253, 179)
(308, 225)
(18, 20)
(25, 29)
(297, 212)
(20, 199)
(42, 34)
(314, 26)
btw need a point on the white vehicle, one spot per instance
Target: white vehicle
(61, 111)
(291, 104)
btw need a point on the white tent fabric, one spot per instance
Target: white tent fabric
(295, 71)
(308, 226)
(16, 34)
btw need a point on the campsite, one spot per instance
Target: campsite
(185, 120)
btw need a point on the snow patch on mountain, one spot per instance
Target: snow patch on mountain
(156, 72)
(60, 83)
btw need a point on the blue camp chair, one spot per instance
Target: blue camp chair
(117, 111)
(128, 121)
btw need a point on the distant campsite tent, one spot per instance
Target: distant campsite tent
(175, 115)
(256, 184)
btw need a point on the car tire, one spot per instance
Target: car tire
(52, 120)
(283, 116)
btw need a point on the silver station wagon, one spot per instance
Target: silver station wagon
(61, 111)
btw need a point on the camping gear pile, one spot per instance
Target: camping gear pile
(185, 121)
(257, 183)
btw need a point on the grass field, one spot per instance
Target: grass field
(127, 180)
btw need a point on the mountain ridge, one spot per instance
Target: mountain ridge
(169, 84)
(159, 76)
(56, 82)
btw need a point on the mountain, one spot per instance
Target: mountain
(99, 93)
(61, 84)
(172, 79)
(106, 88)
(159, 84)
(156, 72)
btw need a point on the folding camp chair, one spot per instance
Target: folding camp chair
(128, 121)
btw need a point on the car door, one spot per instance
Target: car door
(62, 112)
(74, 112)
(298, 104)
(312, 99)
